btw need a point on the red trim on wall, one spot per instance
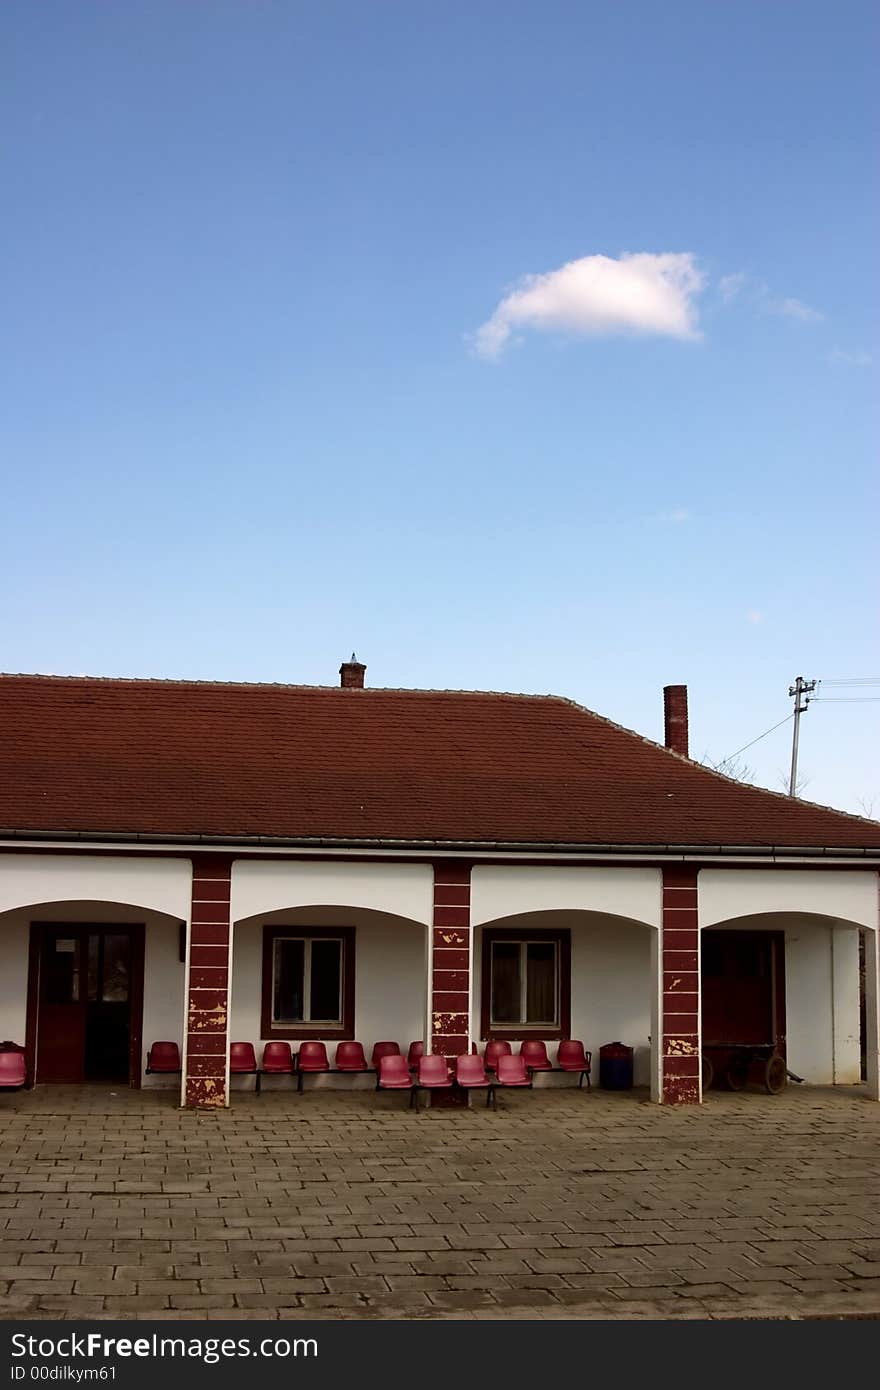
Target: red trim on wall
(681, 987)
(450, 977)
(207, 985)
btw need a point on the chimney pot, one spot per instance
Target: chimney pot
(675, 710)
(351, 674)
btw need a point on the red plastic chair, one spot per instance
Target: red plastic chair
(277, 1059)
(494, 1050)
(572, 1057)
(512, 1071)
(535, 1055)
(350, 1056)
(416, 1050)
(433, 1072)
(163, 1057)
(470, 1075)
(243, 1062)
(394, 1075)
(13, 1070)
(384, 1049)
(312, 1057)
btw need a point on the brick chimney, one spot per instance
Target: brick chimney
(675, 710)
(351, 674)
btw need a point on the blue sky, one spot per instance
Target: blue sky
(248, 425)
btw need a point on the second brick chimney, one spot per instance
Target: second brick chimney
(351, 674)
(675, 710)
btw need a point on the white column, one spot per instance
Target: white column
(845, 1005)
(656, 1018)
(872, 1010)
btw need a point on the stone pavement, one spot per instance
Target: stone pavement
(336, 1205)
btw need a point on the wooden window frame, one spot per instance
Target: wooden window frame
(293, 1031)
(516, 1032)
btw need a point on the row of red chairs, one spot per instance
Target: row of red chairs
(279, 1060)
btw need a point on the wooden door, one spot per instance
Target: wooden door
(61, 1030)
(88, 1002)
(743, 988)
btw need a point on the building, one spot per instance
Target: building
(209, 863)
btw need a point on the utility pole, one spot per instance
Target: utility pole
(801, 690)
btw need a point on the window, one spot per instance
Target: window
(308, 982)
(526, 986)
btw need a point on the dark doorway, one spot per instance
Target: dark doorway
(743, 988)
(88, 1000)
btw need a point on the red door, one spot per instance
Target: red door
(61, 1035)
(743, 988)
(89, 1003)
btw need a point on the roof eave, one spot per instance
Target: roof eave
(423, 846)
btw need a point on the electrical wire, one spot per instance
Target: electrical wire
(850, 680)
(731, 756)
(846, 700)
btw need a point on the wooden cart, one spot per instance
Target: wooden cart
(740, 1063)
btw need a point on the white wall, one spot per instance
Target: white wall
(503, 891)
(263, 886)
(611, 986)
(822, 1001)
(848, 895)
(389, 982)
(163, 969)
(165, 885)
(14, 937)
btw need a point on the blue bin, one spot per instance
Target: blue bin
(615, 1067)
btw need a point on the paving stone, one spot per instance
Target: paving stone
(336, 1205)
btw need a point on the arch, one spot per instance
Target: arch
(612, 982)
(157, 980)
(264, 886)
(817, 986)
(847, 895)
(773, 920)
(387, 991)
(156, 885)
(499, 891)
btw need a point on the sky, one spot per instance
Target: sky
(514, 346)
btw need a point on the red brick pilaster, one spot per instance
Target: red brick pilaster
(207, 1040)
(681, 988)
(451, 975)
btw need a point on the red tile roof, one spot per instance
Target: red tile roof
(189, 759)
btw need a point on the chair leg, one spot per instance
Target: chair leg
(412, 1097)
(258, 1087)
(299, 1083)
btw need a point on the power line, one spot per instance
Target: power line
(850, 680)
(756, 740)
(847, 699)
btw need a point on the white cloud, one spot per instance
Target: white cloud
(729, 286)
(754, 615)
(852, 359)
(675, 516)
(642, 293)
(796, 309)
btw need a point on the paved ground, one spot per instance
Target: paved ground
(347, 1205)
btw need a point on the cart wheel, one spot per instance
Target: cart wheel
(708, 1072)
(737, 1075)
(775, 1074)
